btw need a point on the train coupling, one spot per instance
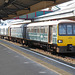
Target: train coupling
(69, 47)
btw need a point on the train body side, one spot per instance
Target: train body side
(43, 34)
(16, 31)
(3, 30)
(39, 33)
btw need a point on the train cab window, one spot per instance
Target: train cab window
(62, 29)
(69, 29)
(73, 29)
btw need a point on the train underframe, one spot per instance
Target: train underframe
(43, 45)
(66, 49)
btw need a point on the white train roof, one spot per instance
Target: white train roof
(49, 23)
(4, 26)
(17, 22)
(20, 25)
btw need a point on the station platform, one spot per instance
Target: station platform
(15, 60)
(12, 63)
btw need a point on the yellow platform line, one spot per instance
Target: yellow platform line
(48, 66)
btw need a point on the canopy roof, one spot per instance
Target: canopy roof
(14, 8)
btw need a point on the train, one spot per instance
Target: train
(53, 36)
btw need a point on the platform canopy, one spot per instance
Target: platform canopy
(14, 8)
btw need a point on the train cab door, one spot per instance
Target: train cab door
(50, 34)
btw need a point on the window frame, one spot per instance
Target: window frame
(66, 29)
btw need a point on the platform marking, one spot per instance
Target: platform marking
(45, 57)
(9, 52)
(16, 56)
(26, 62)
(50, 59)
(42, 72)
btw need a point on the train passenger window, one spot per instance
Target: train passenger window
(69, 29)
(31, 30)
(28, 29)
(46, 29)
(37, 30)
(34, 30)
(73, 29)
(62, 29)
(42, 30)
(54, 29)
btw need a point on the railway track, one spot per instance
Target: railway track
(67, 58)
(60, 57)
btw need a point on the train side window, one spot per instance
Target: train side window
(73, 29)
(69, 29)
(31, 29)
(34, 30)
(54, 30)
(28, 29)
(37, 30)
(42, 29)
(46, 29)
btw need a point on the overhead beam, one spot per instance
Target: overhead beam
(7, 3)
(20, 5)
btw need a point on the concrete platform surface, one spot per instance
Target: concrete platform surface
(12, 63)
(51, 65)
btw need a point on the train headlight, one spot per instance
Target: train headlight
(60, 41)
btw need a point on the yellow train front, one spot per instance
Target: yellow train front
(66, 37)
